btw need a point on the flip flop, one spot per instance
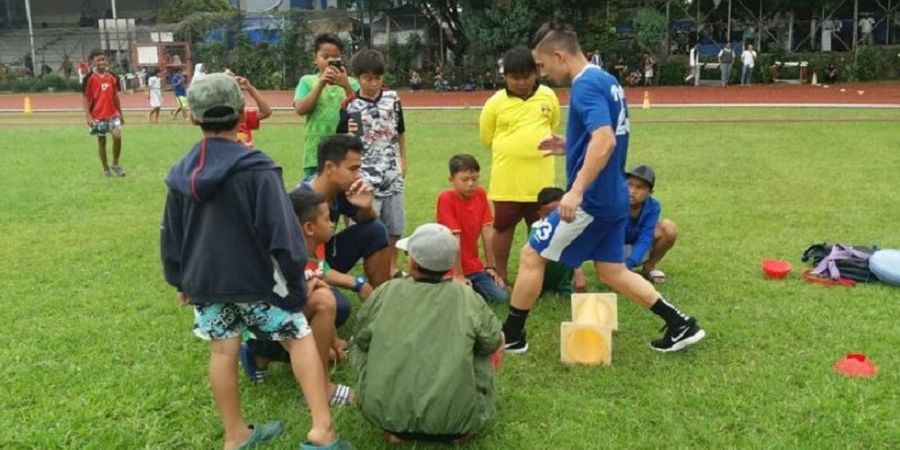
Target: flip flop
(656, 276)
(261, 434)
(338, 444)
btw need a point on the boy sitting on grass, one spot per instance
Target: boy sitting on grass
(464, 210)
(227, 228)
(647, 240)
(558, 277)
(317, 228)
(423, 349)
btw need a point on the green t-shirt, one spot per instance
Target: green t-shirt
(557, 276)
(323, 119)
(423, 356)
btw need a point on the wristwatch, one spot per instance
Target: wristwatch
(360, 282)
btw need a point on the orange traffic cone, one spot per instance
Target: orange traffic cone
(26, 108)
(646, 100)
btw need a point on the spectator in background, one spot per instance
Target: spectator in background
(694, 63)
(488, 81)
(66, 67)
(415, 81)
(748, 59)
(83, 70)
(866, 24)
(726, 61)
(831, 73)
(649, 66)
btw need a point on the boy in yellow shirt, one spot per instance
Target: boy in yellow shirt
(513, 122)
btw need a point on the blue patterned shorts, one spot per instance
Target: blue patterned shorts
(264, 322)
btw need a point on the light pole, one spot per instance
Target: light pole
(31, 38)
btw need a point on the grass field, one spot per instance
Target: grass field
(98, 354)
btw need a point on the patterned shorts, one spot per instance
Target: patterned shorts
(101, 127)
(216, 321)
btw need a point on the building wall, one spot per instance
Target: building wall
(70, 11)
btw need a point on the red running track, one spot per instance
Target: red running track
(873, 93)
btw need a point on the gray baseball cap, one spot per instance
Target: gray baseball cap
(214, 91)
(644, 173)
(432, 246)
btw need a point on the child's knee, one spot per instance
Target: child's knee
(321, 301)
(667, 230)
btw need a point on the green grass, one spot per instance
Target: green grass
(98, 355)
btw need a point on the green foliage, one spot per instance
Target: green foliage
(401, 58)
(651, 28)
(176, 10)
(51, 83)
(868, 65)
(499, 28)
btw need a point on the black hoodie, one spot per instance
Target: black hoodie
(229, 231)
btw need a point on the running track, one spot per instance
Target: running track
(873, 94)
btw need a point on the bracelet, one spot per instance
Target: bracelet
(490, 268)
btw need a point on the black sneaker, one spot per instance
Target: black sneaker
(677, 338)
(518, 346)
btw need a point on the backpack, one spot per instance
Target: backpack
(840, 261)
(885, 264)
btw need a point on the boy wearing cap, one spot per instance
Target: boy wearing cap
(647, 239)
(227, 205)
(428, 379)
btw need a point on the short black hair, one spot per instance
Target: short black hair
(218, 127)
(428, 274)
(95, 53)
(549, 195)
(306, 204)
(334, 149)
(556, 35)
(462, 162)
(367, 61)
(328, 38)
(519, 61)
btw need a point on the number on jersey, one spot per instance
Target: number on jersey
(623, 126)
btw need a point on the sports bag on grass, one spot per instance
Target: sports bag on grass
(840, 261)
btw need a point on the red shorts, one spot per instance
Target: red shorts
(508, 214)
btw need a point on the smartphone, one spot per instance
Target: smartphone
(336, 63)
(356, 117)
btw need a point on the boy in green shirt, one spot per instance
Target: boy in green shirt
(319, 96)
(423, 349)
(557, 277)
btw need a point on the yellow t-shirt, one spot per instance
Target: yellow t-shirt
(512, 128)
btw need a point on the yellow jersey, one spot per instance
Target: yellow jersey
(511, 128)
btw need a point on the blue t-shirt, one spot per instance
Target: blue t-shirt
(178, 84)
(598, 100)
(340, 205)
(639, 231)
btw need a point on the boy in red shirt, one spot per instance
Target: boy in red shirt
(103, 110)
(465, 211)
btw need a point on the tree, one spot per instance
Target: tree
(176, 10)
(650, 25)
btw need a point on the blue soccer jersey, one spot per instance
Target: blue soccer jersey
(597, 100)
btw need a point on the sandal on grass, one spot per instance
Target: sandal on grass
(338, 444)
(342, 396)
(261, 434)
(656, 276)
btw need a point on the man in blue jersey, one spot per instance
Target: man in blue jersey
(592, 216)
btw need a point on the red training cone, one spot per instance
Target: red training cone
(856, 365)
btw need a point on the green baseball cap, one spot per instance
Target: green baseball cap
(216, 90)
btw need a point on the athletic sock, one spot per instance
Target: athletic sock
(668, 312)
(515, 322)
